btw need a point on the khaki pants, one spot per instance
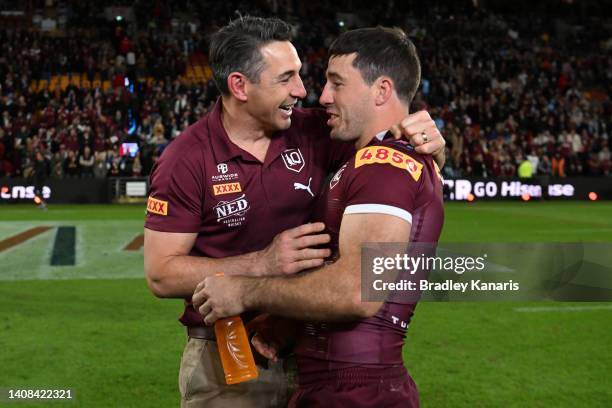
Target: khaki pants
(202, 382)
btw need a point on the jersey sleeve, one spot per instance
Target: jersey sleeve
(175, 194)
(383, 180)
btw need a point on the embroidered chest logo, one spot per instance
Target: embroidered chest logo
(293, 159)
(300, 186)
(336, 179)
(223, 169)
(227, 188)
(232, 213)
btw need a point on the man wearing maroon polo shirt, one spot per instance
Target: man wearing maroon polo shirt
(349, 353)
(223, 193)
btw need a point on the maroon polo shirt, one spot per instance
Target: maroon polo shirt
(385, 177)
(205, 184)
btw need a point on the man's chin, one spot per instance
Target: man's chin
(336, 134)
(285, 124)
(279, 125)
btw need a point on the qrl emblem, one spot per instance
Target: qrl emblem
(222, 168)
(336, 179)
(293, 159)
(412, 167)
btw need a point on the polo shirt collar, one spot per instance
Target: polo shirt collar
(379, 137)
(222, 146)
(279, 143)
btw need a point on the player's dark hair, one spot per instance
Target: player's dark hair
(382, 51)
(236, 47)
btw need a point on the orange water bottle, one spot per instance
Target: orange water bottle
(235, 351)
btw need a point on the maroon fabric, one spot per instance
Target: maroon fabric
(358, 387)
(376, 342)
(191, 173)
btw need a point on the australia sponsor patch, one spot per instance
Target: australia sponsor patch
(155, 206)
(227, 188)
(387, 155)
(232, 213)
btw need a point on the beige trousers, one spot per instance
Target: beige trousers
(202, 382)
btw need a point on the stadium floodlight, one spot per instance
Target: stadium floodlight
(119, 18)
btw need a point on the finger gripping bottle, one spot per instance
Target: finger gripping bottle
(235, 351)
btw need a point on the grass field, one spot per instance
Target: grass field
(94, 326)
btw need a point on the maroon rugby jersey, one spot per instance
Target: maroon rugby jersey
(206, 184)
(386, 177)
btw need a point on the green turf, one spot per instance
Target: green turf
(95, 327)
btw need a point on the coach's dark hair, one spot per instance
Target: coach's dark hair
(382, 51)
(236, 47)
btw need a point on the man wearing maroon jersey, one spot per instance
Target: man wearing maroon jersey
(223, 192)
(349, 352)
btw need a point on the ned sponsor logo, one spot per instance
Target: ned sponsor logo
(231, 213)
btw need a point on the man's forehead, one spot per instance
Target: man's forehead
(279, 50)
(280, 56)
(340, 65)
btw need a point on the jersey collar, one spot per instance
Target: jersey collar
(222, 146)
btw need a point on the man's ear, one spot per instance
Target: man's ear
(236, 83)
(383, 88)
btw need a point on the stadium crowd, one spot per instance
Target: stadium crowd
(504, 91)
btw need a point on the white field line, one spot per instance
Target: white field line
(562, 308)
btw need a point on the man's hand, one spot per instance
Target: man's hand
(291, 251)
(273, 334)
(422, 132)
(266, 348)
(219, 296)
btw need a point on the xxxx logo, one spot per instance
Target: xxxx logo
(156, 206)
(228, 188)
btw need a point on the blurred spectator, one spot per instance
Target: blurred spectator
(558, 165)
(604, 159)
(71, 166)
(57, 165)
(100, 168)
(525, 169)
(86, 163)
(137, 166)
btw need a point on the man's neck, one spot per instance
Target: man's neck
(244, 131)
(384, 120)
(239, 125)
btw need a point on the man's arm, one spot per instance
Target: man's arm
(327, 294)
(171, 272)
